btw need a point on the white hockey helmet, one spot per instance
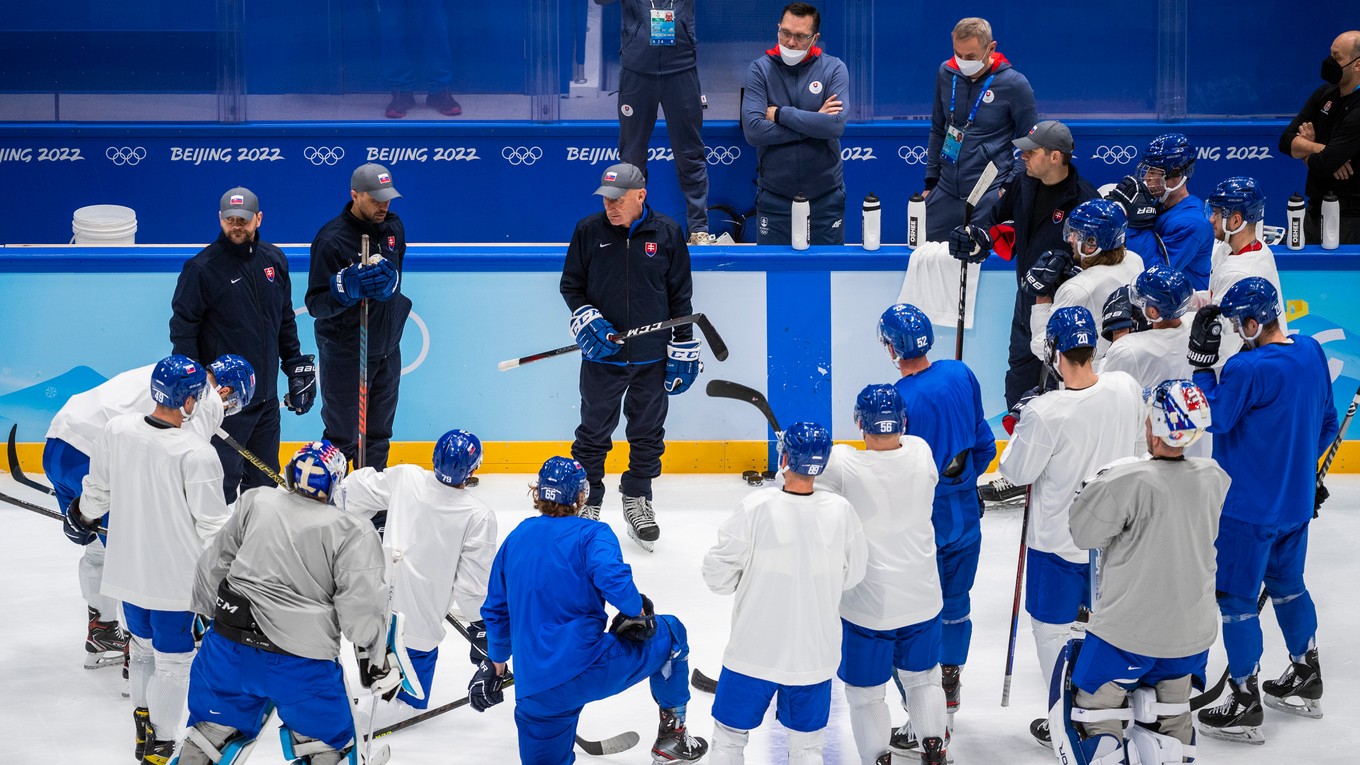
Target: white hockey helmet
(1178, 412)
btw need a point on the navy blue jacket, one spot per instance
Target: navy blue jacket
(1007, 115)
(237, 299)
(1017, 205)
(336, 246)
(639, 55)
(800, 151)
(635, 276)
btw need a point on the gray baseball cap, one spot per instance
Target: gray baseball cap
(620, 178)
(240, 202)
(1049, 134)
(374, 179)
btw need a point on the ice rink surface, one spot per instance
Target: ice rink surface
(54, 711)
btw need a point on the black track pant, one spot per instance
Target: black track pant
(339, 380)
(255, 427)
(640, 388)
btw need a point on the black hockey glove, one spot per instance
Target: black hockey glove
(200, 627)
(477, 652)
(1048, 272)
(635, 629)
(74, 525)
(1013, 415)
(384, 680)
(301, 373)
(1206, 333)
(1320, 495)
(484, 690)
(1132, 195)
(970, 243)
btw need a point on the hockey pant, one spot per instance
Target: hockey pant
(159, 655)
(957, 564)
(339, 381)
(255, 427)
(641, 389)
(740, 704)
(678, 95)
(774, 217)
(1250, 555)
(908, 656)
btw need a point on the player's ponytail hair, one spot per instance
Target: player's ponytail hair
(1111, 257)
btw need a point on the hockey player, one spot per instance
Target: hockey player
(1273, 398)
(1154, 522)
(66, 461)
(1062, 437)
(549, 582)
(890, 621)
(161, 486)
(943, 404)
(285, 578)
(1235, 207)
(440, 540)
(788, 555)
(1095, 265)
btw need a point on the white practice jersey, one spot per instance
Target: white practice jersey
(82, 419)
(162, 489)
(893, 493)
(1064, 437)
(439, 541)
(1229, 269)
(1152, 357)
(788, 558)
(1090, 289)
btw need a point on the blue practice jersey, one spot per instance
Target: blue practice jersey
(944, 408)
(1273, 417)
(545, 600)
(1188, 239)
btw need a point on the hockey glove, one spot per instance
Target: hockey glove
(200, 627)
(1137, 202)
(484, 690)
(635, 629)
(1320, 495)
(1206, 333)
(347, 286)
(592, 333)
(301, 372)
(477, 630)
(970, 243)
(682, 366)
(74, 525)
(380, 280)
(1048, 272)
(382, 679)
(1013, 416)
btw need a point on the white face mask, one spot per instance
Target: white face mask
(792, 56)
(969, 68)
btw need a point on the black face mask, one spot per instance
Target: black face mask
(1331, 71)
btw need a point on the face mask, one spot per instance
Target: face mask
(792, 56)
(1331, 71)
(969, 68)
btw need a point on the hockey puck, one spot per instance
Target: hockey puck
(770, 475)
(752, 477)
(471, 481)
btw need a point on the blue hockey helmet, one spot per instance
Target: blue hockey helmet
(807, 446)
(1178, 412)
(561, 480)
(316, 470)
(1238, 194)
(1171, 153)
(457, 454)
(232, 371)
(1071, 327)
(175, 379)
(1251, 298)
(1097, 224)
(906, 330)
(1163, 288)
(879, 410)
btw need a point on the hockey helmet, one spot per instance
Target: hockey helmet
(1163, 288)
(1071, 327)
(906, 330)
(1097, 225)
(316, 470)
(561, 480)
(232, 371)
(1171, 153)
(457, 454)
(1251, 298)
(879, 410)
(175, 379)
(1238, 194)
(1178, 412)
(807, 446)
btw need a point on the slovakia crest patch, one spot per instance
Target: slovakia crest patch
(269, 273)
(392, 243)
(651, 249)
(1058, 216)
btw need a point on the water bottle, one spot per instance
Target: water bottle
(801, 224)
(871, 222)
(1294, 236)
(1331, 222)
(916, 220)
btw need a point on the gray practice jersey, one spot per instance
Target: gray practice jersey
(309, 570)
(1156, 521)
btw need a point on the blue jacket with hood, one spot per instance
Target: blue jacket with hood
(1008, 114)
(800, 151)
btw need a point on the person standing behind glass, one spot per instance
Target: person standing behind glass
(981, 104)
(660, 67)
(415, 42)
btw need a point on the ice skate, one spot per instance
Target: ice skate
(1000, 491)
(673, 742)
(591, 512)
(106, 644)
(904, 745)
(1039, 730)
(641, 522)
(1238, 717)
(1299, 689)
(141, 717)
(953, 689)
(157, 751)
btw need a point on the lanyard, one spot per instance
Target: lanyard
(670, 6)
(953, 91)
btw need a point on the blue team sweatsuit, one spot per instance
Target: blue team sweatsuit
(1188, 238)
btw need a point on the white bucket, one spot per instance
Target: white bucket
(104, 224)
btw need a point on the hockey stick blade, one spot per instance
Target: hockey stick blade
(17, 472)
(984, 182)
(739, 392)
(715, 341)
(702, 682)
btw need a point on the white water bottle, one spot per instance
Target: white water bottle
(871, 222)
(1294, 210)
(801, 224)
(916, 220)
(1331, 222)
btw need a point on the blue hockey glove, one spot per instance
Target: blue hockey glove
(682, 366)
(1206, 334)
(301, 372)
(635, 629)
(477, 652)
(1048, 272)
(484, 690)
(74, 525)
(592, 333)
(1132, 195)
(346, 286)
(970, 243)
(380, 280)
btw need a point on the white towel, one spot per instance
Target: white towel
(932, 284)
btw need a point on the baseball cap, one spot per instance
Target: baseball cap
(374, 179)
(620, 178)
(1049, 134)
(240, 202)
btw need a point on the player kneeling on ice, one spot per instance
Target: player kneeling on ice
(788, 554)
(1127, 685)
(549, 583)
(286, 577)
(439, 541)
(891, 622)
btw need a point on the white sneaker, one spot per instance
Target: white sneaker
(702, 237)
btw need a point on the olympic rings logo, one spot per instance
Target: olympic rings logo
(1115, 155)
(521, 155)
(323, 155)
(125, 155)
(721, 155)
(912, 155)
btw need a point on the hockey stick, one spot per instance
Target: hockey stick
(251, 458)
(729, 389)
(702, 682)
(17, 472)
(427, 714)
(612, 745)
(715, 341)
(1326, 462)
(1015, 604)
(984, 182)
(40, 510)
(363, 366)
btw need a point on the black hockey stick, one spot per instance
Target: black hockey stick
(1015, 605)
(715, 341)
(983, 182)
(612, 745)
(44, 511)
(729, 389)
(427, 714)
(251, 458)
(702, 682)
(17, 472)
(1335, 447)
